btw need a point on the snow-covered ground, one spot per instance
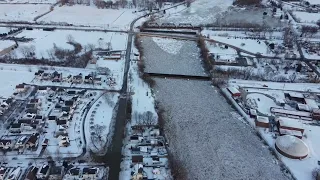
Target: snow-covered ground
(22, 12)
(306, 17)
(29, 1)
(171, 56)
(5, 44)
(204, 127)
(98, 121)
(11, 78)
(5, 29)
(200, 12)
(44, 40)
(91, 16)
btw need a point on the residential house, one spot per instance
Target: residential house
(74, 173)
(5, 143)
(15, 128)
(45, 142)
(35, 101)
(39, 74)
(137, 159)
(82, 92)
(55, 173)
(46, 76)
(43, 89)
(64, 141)
(71, 92)
(62, 122)
(97, 80)
(61, 90)
(90, 173)
(56, 77)
(39, 118)
(31, 106)
(52, 118)
(69, 103)
(31, 174)
(21, 88)
(134, 139)
(43, 172)
(316, 114)
(88, 79)
(77, 79)
(33, 141)
(21, 142)
(66, 109)
(32, 111)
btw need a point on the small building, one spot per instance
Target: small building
(137, 159)
(33, 141)
(46, 76)
(32, 111)
(52, 118)
(295, 96)
(35, 101)
(311, 103)
(77, 79)
(21, 88)
(316, 114)
(303, 107)
(253, 113)
(291, 113)
(55, 173)
(21, 142)
(43, 89)
(56, 77)
(15, 128)
(90, 173)
(5, 144)
(64, 141)
(88, 79)
(71, 92)
(97, 81)
(45, 143)
(63, 123)
(31, 106)
(74, 173)
(262, 121)
(295, 133)
(234, 91)
(43, 172)
(290, 124)
(136, 139)
(69, 103)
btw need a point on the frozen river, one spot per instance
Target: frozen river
(209, 136)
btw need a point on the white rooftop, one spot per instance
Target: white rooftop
(292, 145)
(289, 122)
(263, 119)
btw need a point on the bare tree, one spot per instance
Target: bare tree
(147, 119)
(70, 38)
(316, 174)
(293, 77)
(247, 73)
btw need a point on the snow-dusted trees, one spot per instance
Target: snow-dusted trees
(27, 51)
(147, 119)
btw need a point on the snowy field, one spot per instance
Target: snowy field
(170, 56)
(205, 127)
(306, 17)
(91, 16)
(5, 44)
(5, 29)
(200, 12)
(44, 40)
(22, 12)
(11, 78)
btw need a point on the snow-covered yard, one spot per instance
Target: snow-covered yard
(170, 56)
(22, 12)
(306, 17)
(6, 44)
(44, 41)
(98, 123)
(91, 16)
